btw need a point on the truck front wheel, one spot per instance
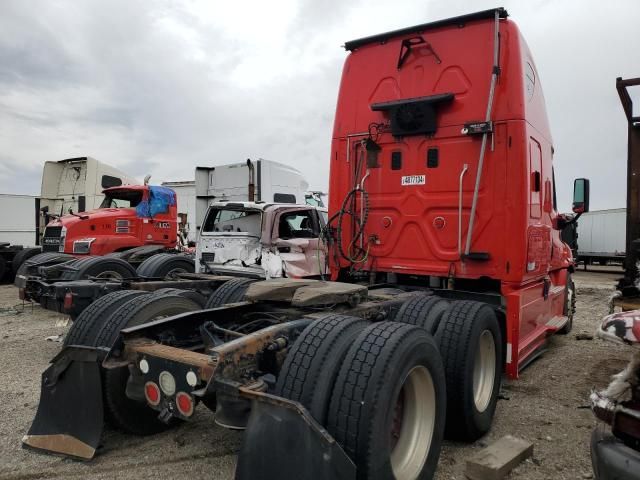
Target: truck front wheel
(388, 404)
(569, 306)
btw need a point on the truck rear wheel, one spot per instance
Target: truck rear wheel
(423, 311)
(165, 266)
(231, 291)
(388, 405)
(197, 297)
(470, 342)
(104, 268)
(3, 267)
(22, 256)
(121, 412)
(86, 327)
(569, 306)
(312, 363)
(29, 267)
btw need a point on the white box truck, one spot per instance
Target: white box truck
(602, 236)
(251, 181)
(18, 219)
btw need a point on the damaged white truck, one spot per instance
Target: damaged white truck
(262, 240)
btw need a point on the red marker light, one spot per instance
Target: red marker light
(184, 404)
(152, 393)
(68, 301)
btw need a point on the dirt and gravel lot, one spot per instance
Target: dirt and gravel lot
(545, 406)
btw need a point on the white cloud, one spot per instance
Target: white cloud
(162, 87)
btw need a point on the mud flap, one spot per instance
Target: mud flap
(283, 441)
(69, 419)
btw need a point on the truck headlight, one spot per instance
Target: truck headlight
(83, 245)
(63, 234)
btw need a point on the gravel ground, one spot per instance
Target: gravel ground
(545, 406)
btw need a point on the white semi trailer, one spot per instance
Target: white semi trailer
(18, 219)
(601, 236)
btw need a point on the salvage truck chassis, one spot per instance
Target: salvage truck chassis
(282, 367)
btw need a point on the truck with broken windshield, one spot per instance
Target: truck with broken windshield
(446, 271)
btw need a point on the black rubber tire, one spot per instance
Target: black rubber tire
(86, 327)
(231, 291)
(424, 311)
(22, 256)
(312, 363)
(120, 411)
(3, 267)
(457, 337)
(366, 391)
(95, 266)
(41, 259)
(162, 264)
(569, 309)
(197, 297)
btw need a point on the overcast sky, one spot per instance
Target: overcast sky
(160, 87)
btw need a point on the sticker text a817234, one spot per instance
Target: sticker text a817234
(408, 180)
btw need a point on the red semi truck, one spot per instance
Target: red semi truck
(442, 144)
(447, 269)
(133, 223)
(129, 216)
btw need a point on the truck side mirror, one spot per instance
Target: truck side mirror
(580, 195)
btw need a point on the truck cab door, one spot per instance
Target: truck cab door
(296, 238)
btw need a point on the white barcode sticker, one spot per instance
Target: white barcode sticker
(413, 180)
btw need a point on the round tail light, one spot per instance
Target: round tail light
(184, 402)
(152, 393)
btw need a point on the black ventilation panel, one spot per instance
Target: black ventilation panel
(413, 116)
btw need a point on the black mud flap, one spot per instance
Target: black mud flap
(69, 420)
(283, 441)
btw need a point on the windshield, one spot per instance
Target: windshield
(314, 199)
(233, 221)
(122, 199)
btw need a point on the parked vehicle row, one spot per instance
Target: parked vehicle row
(432, 276)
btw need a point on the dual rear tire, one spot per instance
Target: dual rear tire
(99, 325)
(469, 339)
(378, 388)
(389, 392)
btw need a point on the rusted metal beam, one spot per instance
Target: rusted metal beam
(627, 285)
(205, 364)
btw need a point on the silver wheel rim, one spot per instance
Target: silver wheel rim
(109, 275)
(418, 397)
(484, 372)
